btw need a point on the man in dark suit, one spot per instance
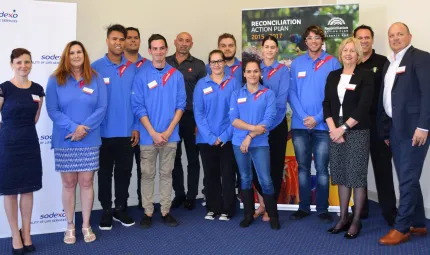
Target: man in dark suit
(380, 153)
(404, 121)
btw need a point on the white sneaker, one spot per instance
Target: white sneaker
(224, 217)
(210, 216)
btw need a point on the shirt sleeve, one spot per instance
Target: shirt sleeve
(326, 102)
(181, 96)
(270, 111)
(2, 92)
(422, 67)
(233, 113)
(199, 115)
(293, 97)
(53, 108)
(95, 119)
(281, 98)
(138, 97)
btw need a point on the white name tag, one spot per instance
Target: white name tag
(152, 84)
(350, 86)
(207, 90)
(401, 69)
(106, 80)
(241, 100)
(36, 98)
(301, 75)
(88, 90)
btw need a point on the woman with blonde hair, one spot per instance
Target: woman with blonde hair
(346, 105)
(76, 101)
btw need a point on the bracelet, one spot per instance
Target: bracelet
(250, 136)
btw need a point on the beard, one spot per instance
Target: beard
(231, 57)
(132, 51)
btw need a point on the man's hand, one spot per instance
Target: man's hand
(259, 129)
(158, 139)
(309, 122)
(135, 136)
(217, 142)
(419, 138)
(245, 144)
(387, 142)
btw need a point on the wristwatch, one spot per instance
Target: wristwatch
(344, 127)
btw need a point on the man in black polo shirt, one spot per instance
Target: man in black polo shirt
(380, 153)
(192, 69)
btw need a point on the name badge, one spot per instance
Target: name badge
(350, 86)
(152, 84)
(241, 100)
(36, 98)
(207, 90)
(401, 69)
(301, 75)
(88, 90)
(106, 80)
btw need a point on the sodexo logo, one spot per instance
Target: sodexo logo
(9, 16)
(336, 21)
(50, 57)
(47, 59)
(53, 215)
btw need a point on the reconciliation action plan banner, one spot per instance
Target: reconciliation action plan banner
(288, 24)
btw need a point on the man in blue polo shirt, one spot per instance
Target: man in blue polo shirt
(233, 67)
(310, 133)
(131, 53)
(158, 100)
(118, 130)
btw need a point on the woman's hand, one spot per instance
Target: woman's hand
(336, 134)
(245, 144)
(340, 140)
(79, 134)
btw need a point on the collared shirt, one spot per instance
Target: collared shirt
(234, 70)
(308, 80)
(141, 62)
(73, 104)
(119, 120)
(390, 76)
(375, 63)
(158, 94)
(193, 69)
(211, 107)
(277, 78)
(258, 108)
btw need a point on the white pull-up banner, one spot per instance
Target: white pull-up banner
(44, 28)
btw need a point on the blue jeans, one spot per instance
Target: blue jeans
(316, 142)
(260, 156)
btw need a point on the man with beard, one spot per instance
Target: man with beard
(131, 53)
(310, 133)
(380, 153)
(193, 69)
(233, 67)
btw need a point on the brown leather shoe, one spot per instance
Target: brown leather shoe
(394, 237)
(418, 231)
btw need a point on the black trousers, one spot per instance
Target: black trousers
(220, 173)
(116, 158)
(139, 172)
(187, 133)
(381, 157)
(278, 147)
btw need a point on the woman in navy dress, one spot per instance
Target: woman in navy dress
(76, 101)
(20, 161)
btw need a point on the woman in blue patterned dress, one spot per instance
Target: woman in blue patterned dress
(20, 161)
(76, 102)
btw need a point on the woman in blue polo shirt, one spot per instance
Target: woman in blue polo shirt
(276, 77)
(252, 112)
(76, 101)
(211, 105)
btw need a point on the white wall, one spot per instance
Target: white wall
(205, 20)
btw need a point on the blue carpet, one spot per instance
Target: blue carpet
(195, 235)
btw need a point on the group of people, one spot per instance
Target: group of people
(232, 114)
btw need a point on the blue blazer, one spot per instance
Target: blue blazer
(410, 97)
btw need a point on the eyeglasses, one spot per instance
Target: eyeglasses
(216, 62)
(315, 38)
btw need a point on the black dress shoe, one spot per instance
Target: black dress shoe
(177, 201)
(344, 228)
(353, 236)
(190, 204)
(27, 248)
(17, 251)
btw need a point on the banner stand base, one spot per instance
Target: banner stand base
(291, 207)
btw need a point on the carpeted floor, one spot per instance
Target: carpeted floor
(195, 235)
